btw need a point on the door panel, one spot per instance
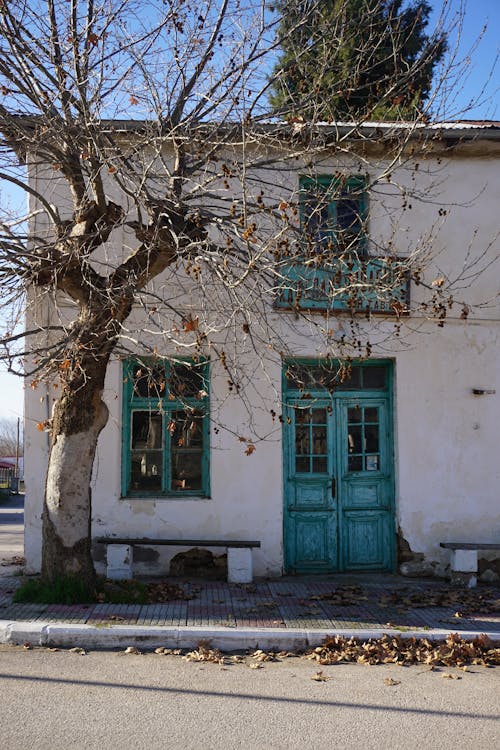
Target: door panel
(310, 509)
(365, 541)
(312, 542)
(361, 495)
(366, 484)
(339, 484)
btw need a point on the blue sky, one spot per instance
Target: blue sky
(479, 13)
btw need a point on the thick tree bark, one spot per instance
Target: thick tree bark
(79, 416)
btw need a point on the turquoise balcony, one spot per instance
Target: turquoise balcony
(374, 284)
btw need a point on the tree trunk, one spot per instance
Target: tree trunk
(79, 416)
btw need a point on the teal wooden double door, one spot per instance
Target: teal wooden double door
(339, 484)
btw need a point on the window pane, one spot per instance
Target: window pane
(186, 450)
(186, 429)
(302, 442)
(354, 440)
(186, 470)
(350, 378)
(302, 416)
(146, 471)
(371, 414)
(355, 463)
(148, 381)
(186, 381)
(371, 438)
(374, 377)
(301, 464)
(146, 429)
(319, 440)
(319, 465)
(348, 214)
(315, 220)
(372, 463)
(319, 416)
(349, 225)
(354, 414)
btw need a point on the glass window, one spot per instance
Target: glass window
(165, 423)
(311, 440)
(363, 438)
(333, 214)
(333, 375)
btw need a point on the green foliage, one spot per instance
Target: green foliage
(123, 592)
(63, 590)
(71, 590)
(355, 59)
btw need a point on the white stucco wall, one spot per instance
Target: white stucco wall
(447, 468)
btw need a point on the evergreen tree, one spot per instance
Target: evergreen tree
(355, 59)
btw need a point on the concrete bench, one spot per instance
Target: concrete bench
(120, 555)
(463, 561)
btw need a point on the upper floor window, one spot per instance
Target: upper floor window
(333, 214)
(165, 428)
(332, 268)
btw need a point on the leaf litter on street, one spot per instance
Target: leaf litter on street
(453, 651)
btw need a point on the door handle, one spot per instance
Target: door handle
(333, 487)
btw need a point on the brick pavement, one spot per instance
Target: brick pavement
(375, 602)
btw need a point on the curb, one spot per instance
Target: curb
(150, 637)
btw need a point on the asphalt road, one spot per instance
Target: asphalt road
(61, 700)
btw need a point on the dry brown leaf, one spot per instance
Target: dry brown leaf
(320, 677)
(390, 681)
(191, 324)
(132, 650)
(77, 650)
(204, 652)
(454, 651)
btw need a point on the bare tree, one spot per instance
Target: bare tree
(158, 186)
(9, 437)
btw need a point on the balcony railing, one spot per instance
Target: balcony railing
(374, 284)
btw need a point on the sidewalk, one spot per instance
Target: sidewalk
(287, 613)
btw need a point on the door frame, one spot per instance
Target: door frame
(341, 394)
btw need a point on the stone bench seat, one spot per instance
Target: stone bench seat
(463, 563)
(120, 554)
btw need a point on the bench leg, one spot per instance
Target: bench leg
(464, 567)
(119, 562)
(239, 565)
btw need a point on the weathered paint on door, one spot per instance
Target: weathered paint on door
(339, 496)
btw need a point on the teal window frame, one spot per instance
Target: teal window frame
(335, 189)
(324, 274)
(322, 377)
(165, 400)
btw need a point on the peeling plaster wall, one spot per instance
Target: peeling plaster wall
(447, 440)
(447, 464)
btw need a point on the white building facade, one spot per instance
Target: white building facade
(333, 467)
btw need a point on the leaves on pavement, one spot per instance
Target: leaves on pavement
(391, 681)
(460, 599)
(320, 677)
(454, 651)
(205, 652)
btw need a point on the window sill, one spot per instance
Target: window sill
(157, 498)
